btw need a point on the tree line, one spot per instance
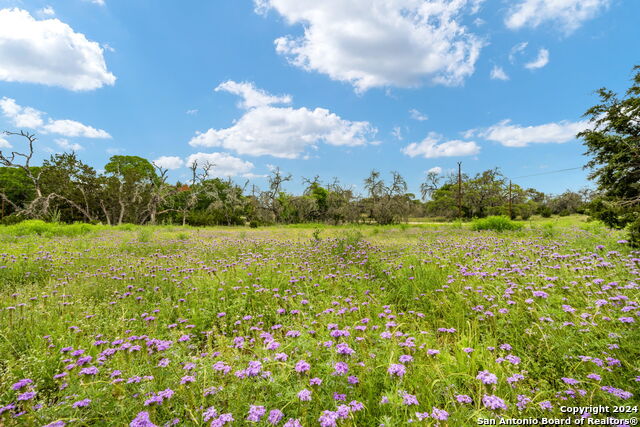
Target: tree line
(134, 190)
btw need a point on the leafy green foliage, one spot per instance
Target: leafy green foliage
(496, 223)
(613, 142)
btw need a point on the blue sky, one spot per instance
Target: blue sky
(333, 88)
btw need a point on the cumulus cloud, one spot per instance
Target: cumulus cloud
(68, 146)
(512, 135)
(27, 117)
(540, 61)
(497, 73)
(169, 162)
(47, 11)
(436, 169)
(4, 143)
(378, 43)
(72, 128)
(568, 14)
(417, 115)
(284, 132)
(224, 165)
(433, 146)
(49, 52)
(251, 96)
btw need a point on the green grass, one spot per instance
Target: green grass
(390, 289)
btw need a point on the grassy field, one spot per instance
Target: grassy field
(315, 325)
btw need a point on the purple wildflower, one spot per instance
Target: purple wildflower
(304, 395)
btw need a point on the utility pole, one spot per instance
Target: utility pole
(460, 190)
(510, 202)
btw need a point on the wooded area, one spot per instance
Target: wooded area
(134, 190)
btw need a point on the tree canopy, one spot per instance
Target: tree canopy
(613, 144)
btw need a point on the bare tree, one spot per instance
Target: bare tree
(430, 185)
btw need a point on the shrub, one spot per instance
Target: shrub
(634, 233)
(497, 223)
(41, 228)
(12, 219)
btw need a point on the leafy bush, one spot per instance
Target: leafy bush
(634, 233)
(41, 228)
(497, 223)
(11, 220)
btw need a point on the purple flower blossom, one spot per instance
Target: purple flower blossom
(92, 370)
(617, 392)
(463, 398)
(340, 368)
(396, 369)
(187, 379)
(493, 402)
(209, 413)
(546, 405)
(439, 414)
(256, 413)
(328, 419)
(302, 366)
(487, 377)
(343, 348)
(142, 420)
(22, 383)
(81, 403)
(405, 358)
(304, 395)
(275, 416)
(27, 396)
(409, 399)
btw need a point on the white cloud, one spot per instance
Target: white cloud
(417, 115)
(169, 162)
(251, 96)
(224, 165)
(511, 135)
(73, 129)
(497, 73)
(283, 132)
(436, 169)
(192, 112)
(68, 146)
(47, 11)
(378, 43)
(540, 61)
(433, 147)
(27, 117)
(22, 117)
(98, 2)
(4, 143)
(568, 14)
(49, 52)
(517, 50)
(397, 133)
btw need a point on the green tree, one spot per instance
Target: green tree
(74, 184)
(128, 188)
(613, 143)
